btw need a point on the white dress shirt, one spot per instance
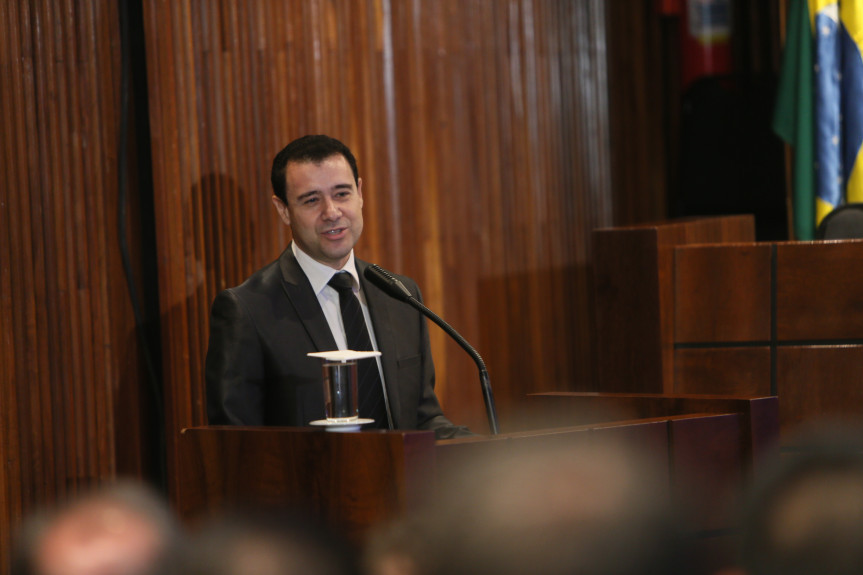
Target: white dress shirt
(319, 276)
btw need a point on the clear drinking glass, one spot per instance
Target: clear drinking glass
(340, 391)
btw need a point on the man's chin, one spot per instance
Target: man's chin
(336, 258)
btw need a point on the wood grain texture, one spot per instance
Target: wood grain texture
(808, 353)
(818, 291)
(711, 454)
(760, 415)
(711, 467)
(634, 297)
(483, 135)
(70, 373)
(351, 480)
(492, 137)
(722, 293)
(768, 318)
(359, 480)
(723, 370)
(819, 384)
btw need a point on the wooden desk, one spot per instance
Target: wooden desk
(356, 480)
(680, 314)
(782, 319)
(634, 297)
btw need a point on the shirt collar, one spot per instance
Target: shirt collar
(319, 274)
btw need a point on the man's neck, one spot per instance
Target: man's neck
(318, 273)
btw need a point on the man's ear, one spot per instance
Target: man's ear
(282, 210)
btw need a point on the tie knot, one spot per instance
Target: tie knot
(342, 281)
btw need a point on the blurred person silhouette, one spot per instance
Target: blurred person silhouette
(394, 547)
(264, 541)
(592, 507)
(804, 512)
(120, 528)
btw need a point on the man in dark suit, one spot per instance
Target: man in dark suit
(258, 371)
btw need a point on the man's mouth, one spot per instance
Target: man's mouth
(334, 232)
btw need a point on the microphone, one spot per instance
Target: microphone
(388, 282)
(393, 287)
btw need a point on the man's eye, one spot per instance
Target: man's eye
(310, 201)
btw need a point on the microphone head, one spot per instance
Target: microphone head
(387, 282)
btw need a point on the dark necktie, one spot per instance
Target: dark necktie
(371, 397)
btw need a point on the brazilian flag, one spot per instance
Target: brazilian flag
(819, 109)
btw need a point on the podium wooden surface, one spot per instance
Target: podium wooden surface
(759, 425)
(358, 480)
(782, 319)
(736, 317)
(352, 480)
(634, 297)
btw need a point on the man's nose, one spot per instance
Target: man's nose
(331, 210)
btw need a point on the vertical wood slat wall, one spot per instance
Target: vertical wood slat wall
(489, 144)
(483, 137)
(69, 366)
(482, 133)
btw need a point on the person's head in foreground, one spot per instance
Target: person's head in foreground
(589, 507)
(120, 528)
(804, 512)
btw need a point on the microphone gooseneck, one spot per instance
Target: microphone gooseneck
(387, 282)
(396, 289)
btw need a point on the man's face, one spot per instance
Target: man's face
(324, 209)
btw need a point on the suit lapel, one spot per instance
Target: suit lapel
(305, 302)
(380, 305)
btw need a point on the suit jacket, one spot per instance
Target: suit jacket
(258, 371)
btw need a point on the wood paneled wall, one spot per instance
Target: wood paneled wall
(787, 323)
(492, 136)
(482, 131)
(71, 382)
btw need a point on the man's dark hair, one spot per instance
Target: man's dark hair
(312, 148)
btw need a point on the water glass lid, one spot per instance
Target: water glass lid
(343, 355)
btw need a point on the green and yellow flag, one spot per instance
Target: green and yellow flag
(819, 109)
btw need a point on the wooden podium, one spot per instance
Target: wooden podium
(352, 480)
(697, 306)
(357, 480)
(634, 269)
(652, 298)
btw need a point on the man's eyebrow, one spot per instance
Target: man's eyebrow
(309, 194)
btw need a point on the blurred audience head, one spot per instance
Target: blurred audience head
(258, 541)
(121, 528)
(395, 547)
(590, 507)
(804, 512)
